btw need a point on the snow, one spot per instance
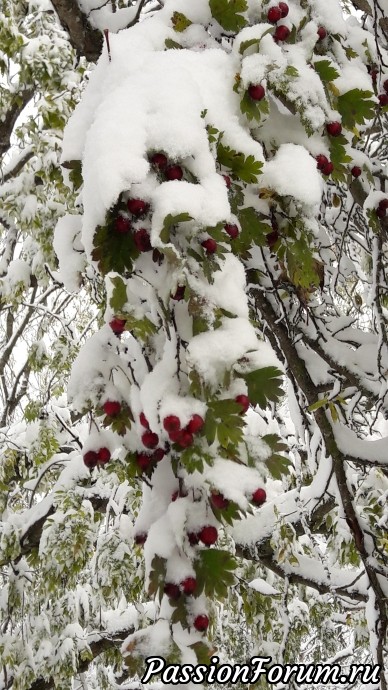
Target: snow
(293, 172)
(69, 251)
(373, 450)
(262, 587)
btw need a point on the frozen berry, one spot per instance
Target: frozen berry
(90, 458)
(334, 129)
(243, 400)
(158, 454)
(159, 160)
(231, 230)
(218, 500)
(174, 172)
(172, 590)
(209, 245)
(171, 423)
(356, 171)
(185, 439)
(150, 439)
(122, 225)
(144, 421)
(117, 326)
(193, 538)
(228, 181)
(179, 293)
(256, 92)
(271, 238)
(322, 33)
(142, 240)
(282, 33)
(208, 535)
(383, 99)
(201, 623)
(274, 14)
(143, 461)
(112, 408)
(137, 206)
(140, 538)
(259, 497)
(385, 85)
(189, 585)
(321, 161)
(195, 424)
(284, 9)
(328, 168)
(104, 455)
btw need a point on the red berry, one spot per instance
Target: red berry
(179, 293)
(321, 161)
(259, 497)
(117, 326)
(137, 206)
(201, 623)
(210, 245)
(231, 230)
(193, 538)
(172, 590)
(143, 420)
(174, 436)
(274, 14)
(90, 458)
(195, 424)
(104, 455)
(141, 538)
(159, 160)
(373, 74)
(185, 439)
(228, 181)
(381, 212)
(328, 168)
(385, 85)
(284, 9)
(383, 204)
(122, 225)
(243, 400)
(322, 33)
(334, 129)
(356, 171)
(142, 240)
(112, 408)
(174, 172)
(256, 92)
(189, 585)
(219, 501)
(143, 461)
(158, 454)
(171, 423)
(383, 99)
(272, 238)
(282, 33)
(149, 439)
(208, 535)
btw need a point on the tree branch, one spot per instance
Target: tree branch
(84, 38)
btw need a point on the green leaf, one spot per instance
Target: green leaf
(112, 250)
(246, 168)
(193, 459)
(264, 386)
(214, 572)
(157, 575)
(253, 231)
(317, 405)
(180, 22)
(325, 70)
(278, 465)
(244, 45)
(223, 419)
(119, 294)
(169, 223)
(228, 13)
(355, 107)
(202, 652)
(253, 110)
(172, 45)
(141, 329)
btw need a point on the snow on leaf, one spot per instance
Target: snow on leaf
(264, 386)
(246, 168)
(325, 70)
(356, 107)
(228, 13)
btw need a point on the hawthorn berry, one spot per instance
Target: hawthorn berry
(328, 168)
(383, 99)
(321, 161)
(322, 33)
(174, 172)
(201, 623)
(271, 238)
(208, 535)
(256, 92)
(209, 245)
(282, 32)
(171, 423)
(172, 590)
(356, 171)
(284, 9)
(334, 129)
(385, 85)
(144, 421)
(274, 14)
(104, 455)
(90, 459)
(243, 400)
(140, 538)
(112, 408)
(143, 461)
(122, 225)
(158, 454)
(117, 326)
(185, 439)
(228, 181)
(189, 585)
(179, 293)
(159, 160)
(381, 210)
(231, 230)
(150, 439)
(218, 500)
(142, 240)
(195, 424)
(193, 538)
(259, 497)
(137, 206)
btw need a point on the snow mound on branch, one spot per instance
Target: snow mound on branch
(293, 172)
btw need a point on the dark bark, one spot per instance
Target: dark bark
(86, 40)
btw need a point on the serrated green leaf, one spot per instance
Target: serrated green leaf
(202, 652)
(264, 386)
(246, 168)
(223, 419)
(356, 107)
(325, 70)
(228, 13)
(244, 45)
(169, 223)
(172, 45)
(112, 250)
(180, 22)
(278, 466)
(119, 294)
(214, 572)
(253, 110)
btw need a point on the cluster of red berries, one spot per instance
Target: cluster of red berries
(170, 172)
(112, 408)
(92, 458)
(277, 12)
(151, 441)
(210, 245)
(383, 97)
(183, 437)
(324, 165)
(122, 224)
(381, 210)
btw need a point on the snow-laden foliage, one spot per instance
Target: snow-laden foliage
(195, 355)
